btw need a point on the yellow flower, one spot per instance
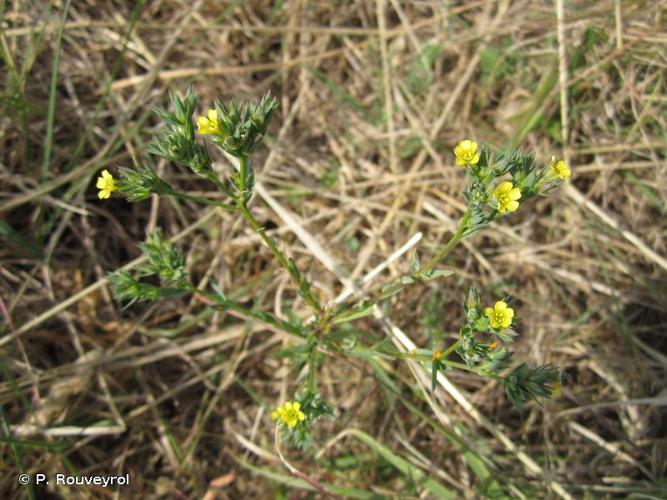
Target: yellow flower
(209, 125)
(500, 315)
(557, 390)
(106, 184)
(507, 194)
(437, 356)
(289, 414)
(466, 153)
(559, 169)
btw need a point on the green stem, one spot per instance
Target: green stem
(243, 171)
(451, 349)
(444, 251)
(312, 386)
(308, 296)
(481, 373)
(451, 364)
(220, 184)
(264, 317)
(201, 199)
(397, 284)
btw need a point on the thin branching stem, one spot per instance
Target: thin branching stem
(211, 176)
(449, 246)
(446, 362)
(308, 295)
(451, 349)
(312, 362)
(267, 318)
(243, 172)
(202, 200)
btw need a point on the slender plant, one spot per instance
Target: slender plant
(497, 186)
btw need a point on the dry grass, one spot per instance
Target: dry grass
(373, 95)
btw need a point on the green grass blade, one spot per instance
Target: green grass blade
(294, 482)
(48, 141)
(405, 467)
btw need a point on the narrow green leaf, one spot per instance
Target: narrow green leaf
(436, 273)
(407, 280)
(360, 312)
(294, 482)
(22, 244)
(48, 141)
(391, 289)
(403, 466)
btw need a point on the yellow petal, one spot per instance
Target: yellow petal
(515, 194)
(104, 194)
(512, 206)
(203, 124)
(101, 183)
(563, 169)
(296, 406)
(489, 312)
(212, 115)
(500, 306)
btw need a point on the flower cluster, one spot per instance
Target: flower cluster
(483, 345)
(177, 141)
(296, 417)
(493, 322)
(490, 193)
(235, 129)
(238, 129)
